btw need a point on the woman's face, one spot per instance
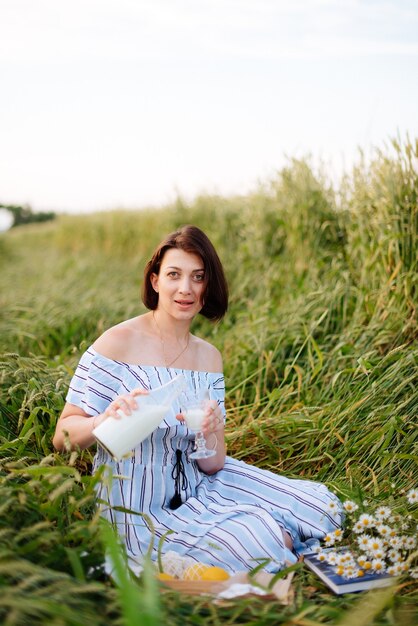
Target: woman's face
(180, 284)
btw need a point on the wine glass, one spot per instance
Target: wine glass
(193, 405)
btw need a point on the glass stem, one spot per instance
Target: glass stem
(200, 441)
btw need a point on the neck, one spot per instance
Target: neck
(171, 330)
(173, 344)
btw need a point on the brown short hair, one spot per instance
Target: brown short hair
(191, 239)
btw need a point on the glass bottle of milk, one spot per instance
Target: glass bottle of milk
(119, 436)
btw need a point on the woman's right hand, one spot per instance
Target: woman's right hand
(125, 403)
(75, 426)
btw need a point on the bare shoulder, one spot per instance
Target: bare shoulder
(209, 357)
(117, 341)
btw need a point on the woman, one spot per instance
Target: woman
(220, 511)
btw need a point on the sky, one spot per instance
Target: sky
(129, 103)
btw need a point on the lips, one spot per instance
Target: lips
(184, 302)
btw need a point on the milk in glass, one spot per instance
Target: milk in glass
(194, 418)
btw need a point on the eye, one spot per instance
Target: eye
(199, 278)
(173, 274)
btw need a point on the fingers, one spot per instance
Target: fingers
(114, 407)
(139, 392)
(124, 404)
(213, 421)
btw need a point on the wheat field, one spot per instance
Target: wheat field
(321, 366)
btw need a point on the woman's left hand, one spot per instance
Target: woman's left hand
(213, 421)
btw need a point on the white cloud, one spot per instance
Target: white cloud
(47, 31)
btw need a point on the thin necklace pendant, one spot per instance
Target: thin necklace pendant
(163, 345)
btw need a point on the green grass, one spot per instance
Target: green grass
(321, 364)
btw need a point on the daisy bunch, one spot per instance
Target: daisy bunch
(374, 541)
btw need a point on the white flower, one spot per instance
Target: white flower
(394, 556)
(383, 530)
(362, 561)
(329, 539)
(341, 559)
(395, 542)
(375, 543)
(350, 506)
(379, 553)
(332, 558)
(366, 520)
(410, 543)
(333, 507)
(383, 512)
(378, 565)
(351, 572)
(412, 496)
(398, 568)
(414, 572)
(363, 541)
(367, 565)
(346, 558)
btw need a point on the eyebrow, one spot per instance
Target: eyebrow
(174, 267)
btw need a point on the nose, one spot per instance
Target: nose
(185, 285)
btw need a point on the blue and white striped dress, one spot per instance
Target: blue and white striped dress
(233, 518)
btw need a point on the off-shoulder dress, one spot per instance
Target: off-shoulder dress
(232, 519)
